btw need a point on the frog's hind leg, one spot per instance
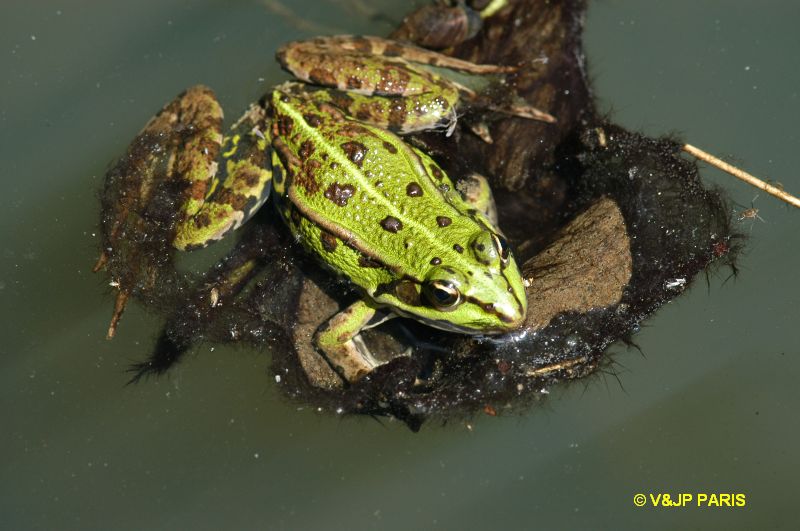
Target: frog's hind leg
(239, 184)
(180, 143)
(166, 191)
(339, 339)
(398, 89)
(167, 162)
(302, 57)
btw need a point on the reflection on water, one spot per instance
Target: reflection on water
(707, 408)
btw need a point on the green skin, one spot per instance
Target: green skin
(361, 200)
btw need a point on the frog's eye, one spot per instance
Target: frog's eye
(501, 244)
(444, 295)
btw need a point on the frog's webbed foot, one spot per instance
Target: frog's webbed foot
(341, 343)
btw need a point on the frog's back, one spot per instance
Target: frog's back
(361, 198)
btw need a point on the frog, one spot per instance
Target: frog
(328, 149)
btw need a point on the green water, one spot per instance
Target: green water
(711, 406)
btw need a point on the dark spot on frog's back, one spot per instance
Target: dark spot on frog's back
(306, 149)
(312, 166)
(284, 125)
(306, 178)
(391, 224)
(413, 190)
(457, 248)
(443, 221)
(328, 241)
(436, 260)
(339, 193)
(355, 151)
(353, 130)
(313, 120)
(391, 148)
(436, 172)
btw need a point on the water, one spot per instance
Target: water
(710, 407)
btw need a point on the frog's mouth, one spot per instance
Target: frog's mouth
(448, 326)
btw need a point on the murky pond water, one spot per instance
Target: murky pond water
(709, 408)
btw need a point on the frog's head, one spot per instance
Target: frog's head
(481, 292)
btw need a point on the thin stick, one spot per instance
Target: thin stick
(119, 307)
(740, 174)
(493, 7)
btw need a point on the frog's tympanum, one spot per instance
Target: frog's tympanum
(362, 201)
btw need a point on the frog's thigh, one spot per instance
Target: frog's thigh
(339, 340)
(476, 191)
(237, 187)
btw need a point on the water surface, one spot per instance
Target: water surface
(710, 405)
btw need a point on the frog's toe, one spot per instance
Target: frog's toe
(351, 359)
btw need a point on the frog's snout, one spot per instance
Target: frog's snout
(513, 317)
(510, 313)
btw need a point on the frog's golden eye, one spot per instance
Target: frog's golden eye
(501, 244)
(443, 294)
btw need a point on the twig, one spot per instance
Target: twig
(493, 7)
(740, 174)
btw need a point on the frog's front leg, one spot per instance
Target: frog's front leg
(339, 339)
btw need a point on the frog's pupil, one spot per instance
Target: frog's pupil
(443, 294)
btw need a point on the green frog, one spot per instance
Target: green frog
(361, 200)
